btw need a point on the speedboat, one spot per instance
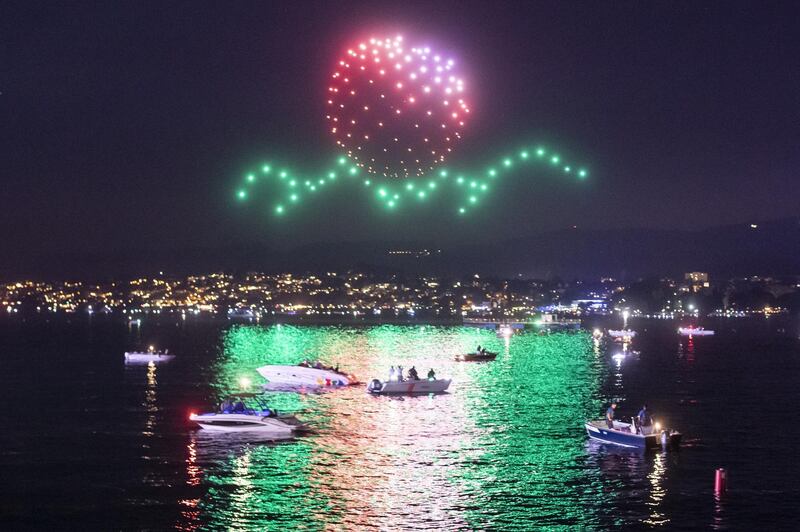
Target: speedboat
(305, 376)
(408, 386)
(632, 434)
(151, 355)
(480, 356)
(695, 331)
(621, 333)
(248, 412)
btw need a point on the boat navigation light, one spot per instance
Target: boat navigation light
(244, 382)
(658, 426)
(151, 349)
(191, 414)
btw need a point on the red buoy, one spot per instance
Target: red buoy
(720, 481)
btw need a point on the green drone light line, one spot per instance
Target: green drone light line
(394, 192)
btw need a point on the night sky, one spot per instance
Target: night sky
(129, 126)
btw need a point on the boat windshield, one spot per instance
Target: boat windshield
(245, 403)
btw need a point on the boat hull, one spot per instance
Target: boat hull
(408, 386)
(244, 423)
(144, 358)
(474, 357)
(302, 376)
(622, 333)
(598, 432)
(688, 331)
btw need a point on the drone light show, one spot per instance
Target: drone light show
(397, 112)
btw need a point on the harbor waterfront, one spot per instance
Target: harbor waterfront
(100, 444)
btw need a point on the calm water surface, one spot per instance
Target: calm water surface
(97, 444)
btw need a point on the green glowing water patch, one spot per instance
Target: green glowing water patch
(505, 446)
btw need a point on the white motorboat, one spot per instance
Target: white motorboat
(151, 355)
(247, 412)
(695, 331)
(304, 376)
(408, 386)
(621, 333)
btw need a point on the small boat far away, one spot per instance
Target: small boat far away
(151, 355)
(621, 333)
(695, 331)
(480, 356)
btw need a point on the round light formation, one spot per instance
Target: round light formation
(396, 110)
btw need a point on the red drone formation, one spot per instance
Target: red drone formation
(396, 111)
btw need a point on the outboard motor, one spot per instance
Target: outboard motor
(375, 385)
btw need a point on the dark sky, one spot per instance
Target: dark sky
(129, 125)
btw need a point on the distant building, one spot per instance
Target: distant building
(697, 280)
(696, 277)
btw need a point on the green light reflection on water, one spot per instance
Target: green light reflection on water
(504, 447)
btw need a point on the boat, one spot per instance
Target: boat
(305, 376)
(482, 356)
(695, 331)
(505, 331)
(632, 434)
(408, 386)
(151, 355)
(621, 333)
(248, 412)
(241, 314)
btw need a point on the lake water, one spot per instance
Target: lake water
(90, 443)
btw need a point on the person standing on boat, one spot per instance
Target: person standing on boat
(610, 415)
(391, 373)
(400, 373)
(644, 417)
(412, 374)
(238, 408)
(226, 406)
(431, 375)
